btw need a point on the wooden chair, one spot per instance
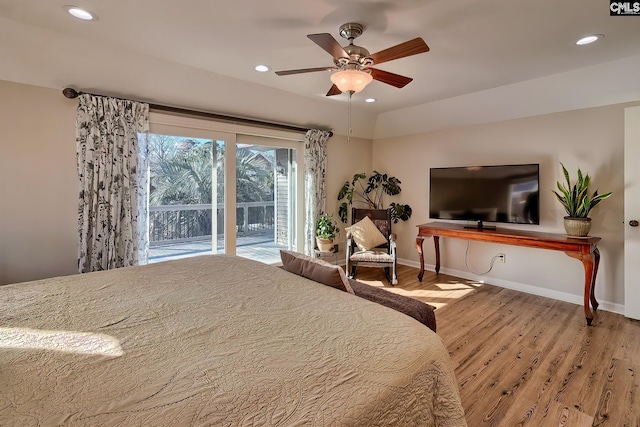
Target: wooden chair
(383, 255)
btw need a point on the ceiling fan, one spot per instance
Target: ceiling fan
(354, 63)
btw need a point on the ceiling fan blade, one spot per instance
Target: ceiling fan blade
(390, 78)
(304, 70)
(412, 47)
(328, 43)
(334, 91)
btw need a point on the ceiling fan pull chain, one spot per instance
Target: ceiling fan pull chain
(350, 130)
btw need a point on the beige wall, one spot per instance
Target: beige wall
(592, 139)
(344, 159)
(38, 183)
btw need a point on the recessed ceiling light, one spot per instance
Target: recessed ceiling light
(81, 13)
(370, 100)
(589, 39)
(262, 68)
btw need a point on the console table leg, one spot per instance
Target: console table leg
(590, 262)
(436, 243)
(587, 261)
(419, 241)
(596, 262)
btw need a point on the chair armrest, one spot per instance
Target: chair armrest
(349, 248)
(392, 244)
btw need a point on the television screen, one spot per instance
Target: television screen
(505, 193)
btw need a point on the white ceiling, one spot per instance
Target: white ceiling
(489, 60)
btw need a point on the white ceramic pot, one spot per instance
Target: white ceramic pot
(324, 245)
(577, 227)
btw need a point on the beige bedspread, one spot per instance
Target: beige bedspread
(214, 341)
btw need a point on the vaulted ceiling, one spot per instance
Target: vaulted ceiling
(489, 60)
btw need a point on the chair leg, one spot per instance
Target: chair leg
(392, 278)
(353, 272)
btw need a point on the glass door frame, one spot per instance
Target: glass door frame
(296, 182)
(232, 135)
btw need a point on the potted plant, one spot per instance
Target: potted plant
(370, 192)
(326, 230)
(578, 203)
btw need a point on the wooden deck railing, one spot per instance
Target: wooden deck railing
(184, 223)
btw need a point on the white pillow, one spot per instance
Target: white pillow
(366, 234)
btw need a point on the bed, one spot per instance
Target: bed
(214, 340)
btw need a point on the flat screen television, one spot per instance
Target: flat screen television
(501, 193)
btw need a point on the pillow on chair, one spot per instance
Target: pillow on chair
(366, 234)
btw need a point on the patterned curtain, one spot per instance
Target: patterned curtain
(315, 161)
(112, 209)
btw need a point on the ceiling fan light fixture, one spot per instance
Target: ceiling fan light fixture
(351, 80)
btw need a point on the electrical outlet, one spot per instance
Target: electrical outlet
(502, 258)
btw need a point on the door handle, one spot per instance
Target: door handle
(634, 223)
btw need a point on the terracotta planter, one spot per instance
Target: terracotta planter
(324, 245)
(577, 227)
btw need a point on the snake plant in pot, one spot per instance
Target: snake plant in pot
(577, 202)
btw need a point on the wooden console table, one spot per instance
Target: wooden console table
(583, 249)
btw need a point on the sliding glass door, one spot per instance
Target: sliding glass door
(265, 201)
(196, 174)
(186, 196)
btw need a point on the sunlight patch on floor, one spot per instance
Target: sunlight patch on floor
(457, 286)
(440, 297)
(64, 341)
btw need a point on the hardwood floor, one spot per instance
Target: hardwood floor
(525, 360)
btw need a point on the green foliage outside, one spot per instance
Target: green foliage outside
(181, 173)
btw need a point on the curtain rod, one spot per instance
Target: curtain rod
(72, 93)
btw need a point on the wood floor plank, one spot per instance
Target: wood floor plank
(535, 400)
(518, 364)
(498, 323)
(524, 360)
(619, 395)
(629, 348)
(477, 307)
(590, 364)
(565, 416)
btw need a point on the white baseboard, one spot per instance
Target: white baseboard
(516, 286)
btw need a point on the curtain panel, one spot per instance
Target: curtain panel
(315, 194)
(111, 147)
